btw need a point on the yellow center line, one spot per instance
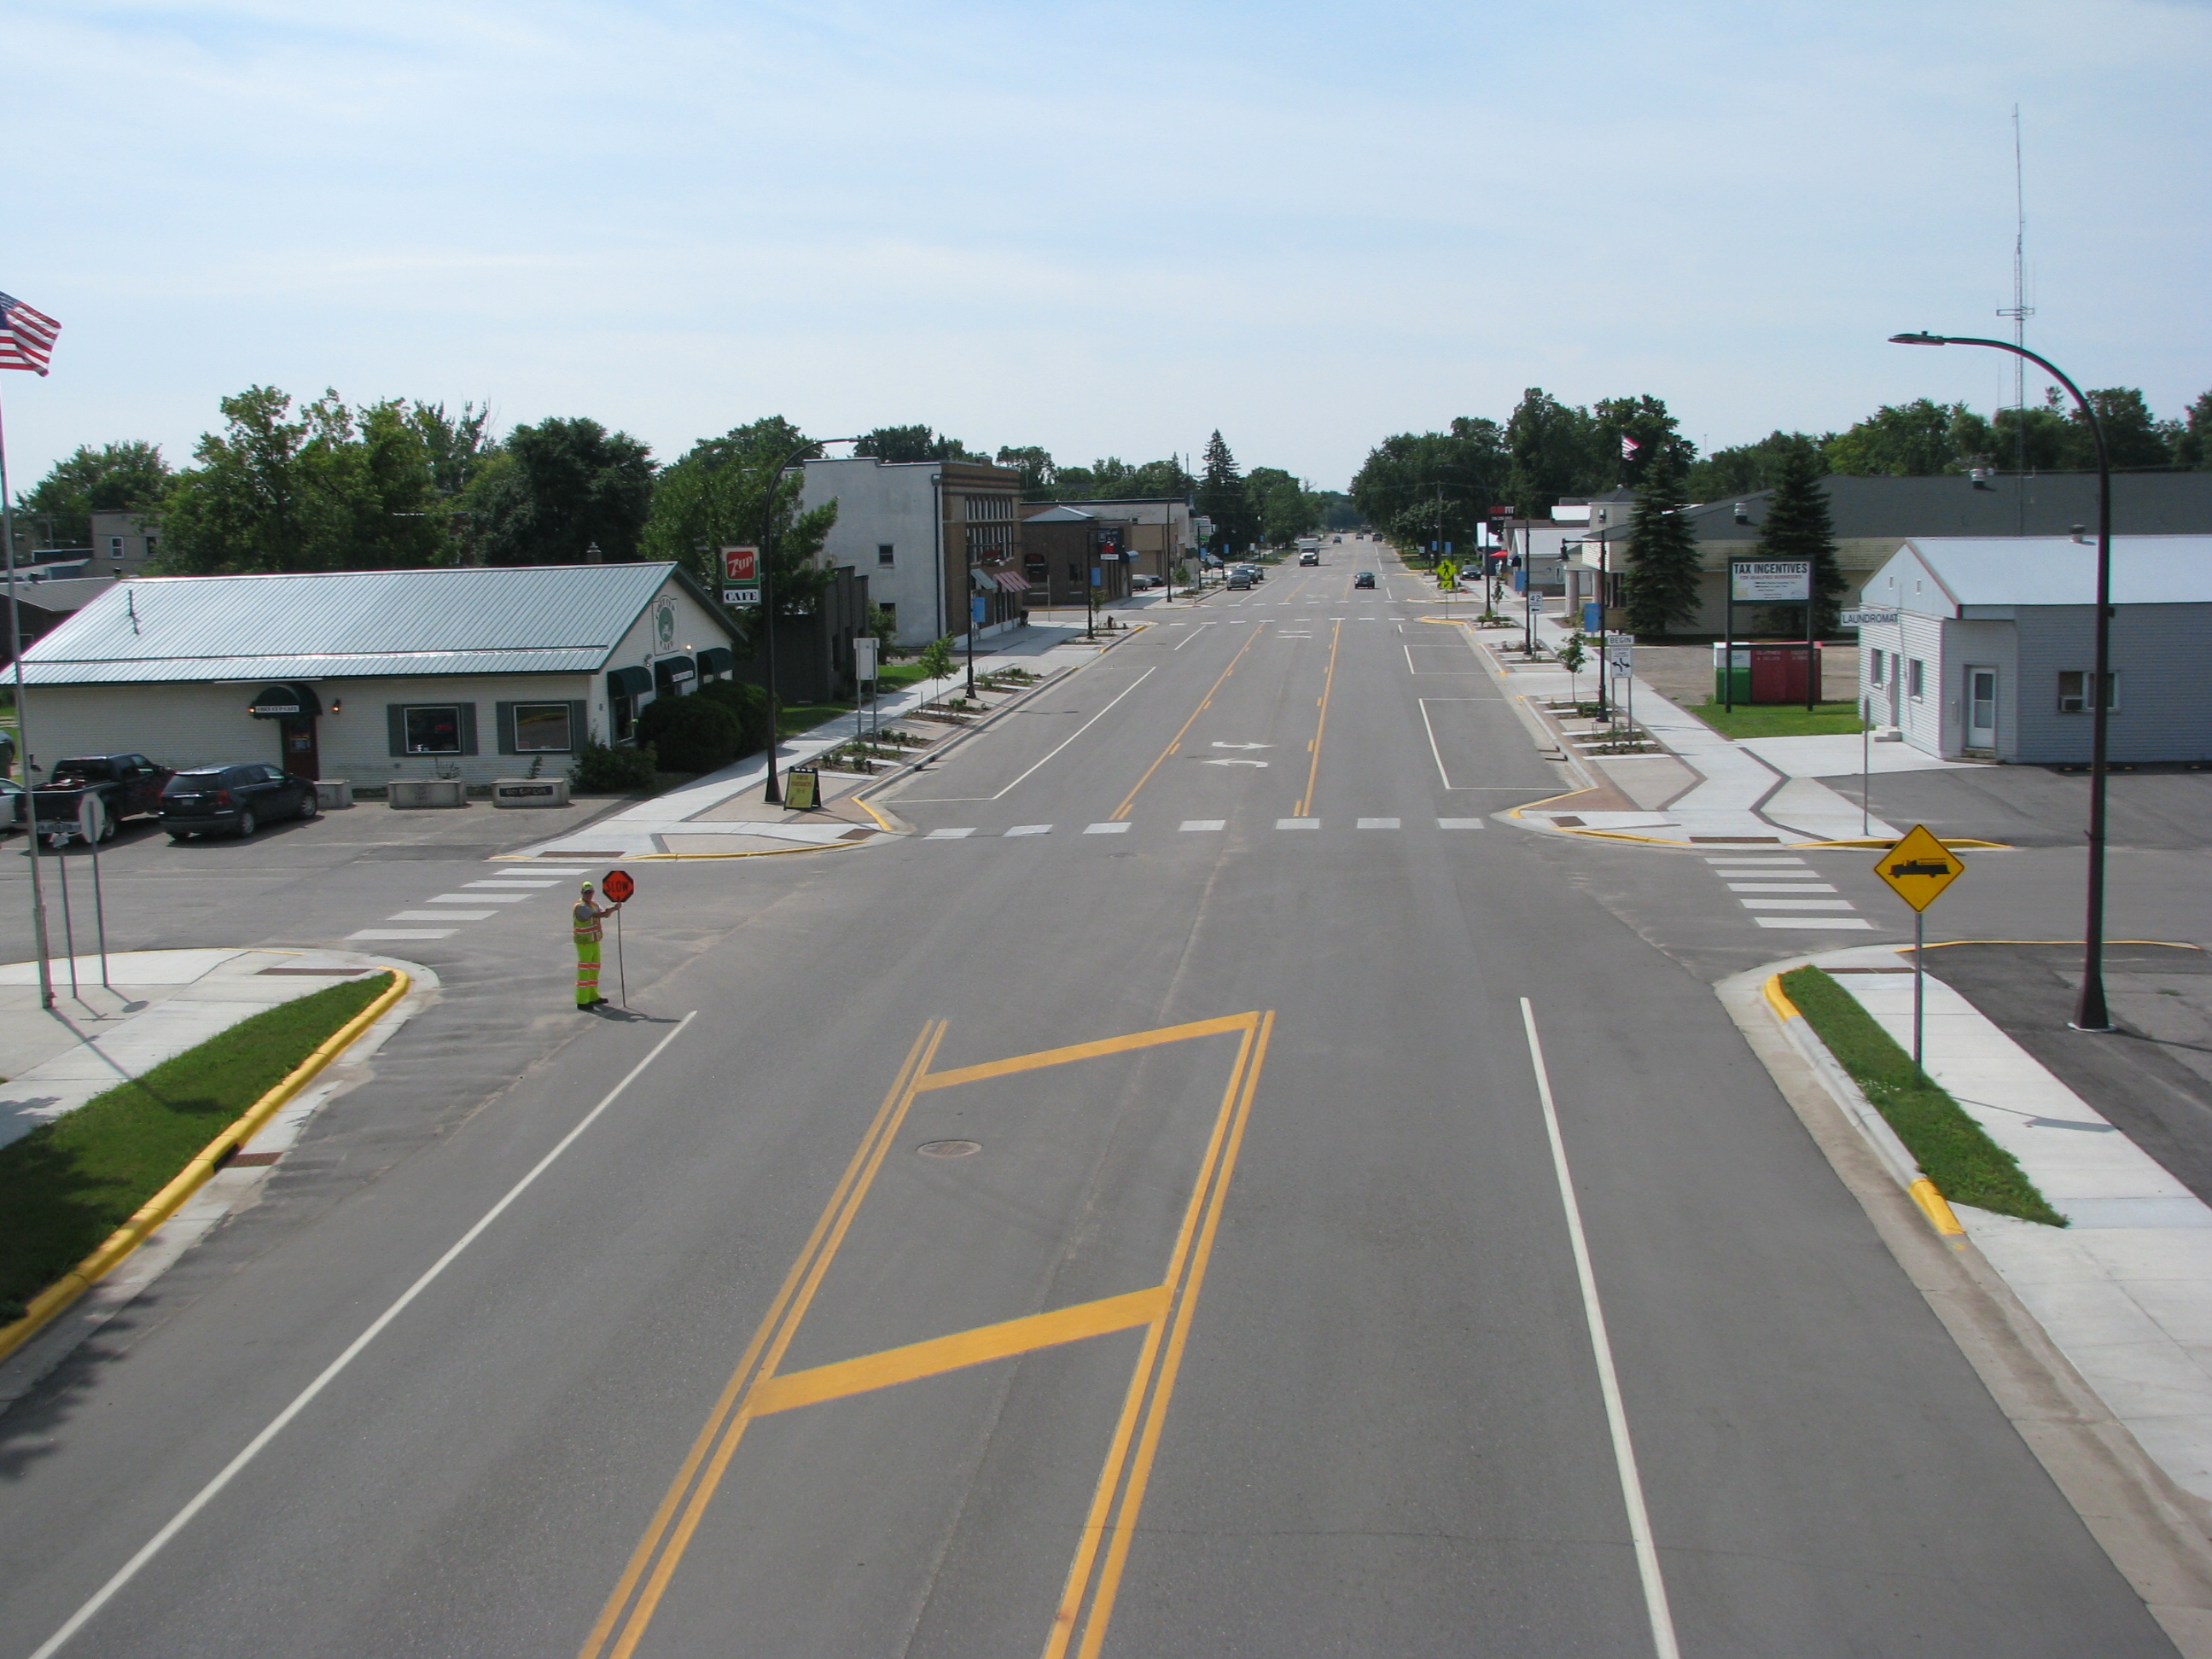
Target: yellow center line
(1123, 811)
(1305, 806)
(1165, 1033)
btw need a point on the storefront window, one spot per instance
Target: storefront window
(434, 730)
(542, 728)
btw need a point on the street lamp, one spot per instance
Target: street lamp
(773, 795)
(2090, 1014)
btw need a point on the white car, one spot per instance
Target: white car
(1144, 583)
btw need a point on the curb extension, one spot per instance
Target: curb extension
(118, 1245)
(1887, 1148)
(762, 852)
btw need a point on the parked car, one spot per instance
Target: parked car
(1240, 578)
(235, 799)
(1364, 579)
(11, 803)
(1143, 584)
(130, 786)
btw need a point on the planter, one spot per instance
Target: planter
(414, 793)
(330, 792)
(530, 791)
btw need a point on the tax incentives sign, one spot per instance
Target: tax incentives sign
(1770, 581)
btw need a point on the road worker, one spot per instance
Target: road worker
(589, 918)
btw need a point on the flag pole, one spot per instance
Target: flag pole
(23, 734)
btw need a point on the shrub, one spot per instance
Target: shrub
(600, 770)
(691, 734)
(748, 703)
(936, 657)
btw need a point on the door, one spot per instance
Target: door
(300, 758)
(1981, 707)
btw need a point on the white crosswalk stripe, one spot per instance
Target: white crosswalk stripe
(1757, 879)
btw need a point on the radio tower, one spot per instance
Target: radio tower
(2020, 311)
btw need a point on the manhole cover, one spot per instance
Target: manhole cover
(947, 1148)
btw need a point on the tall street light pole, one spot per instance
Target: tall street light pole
(2090, 1012)
(773, 795)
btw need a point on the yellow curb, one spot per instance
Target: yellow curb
(118, 1247)
(1968, 842)
(2170, 945)
(1778, 1000)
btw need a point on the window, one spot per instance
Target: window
(151, 544)
(1915, 679)
(890, 612)
(885, 555)
(432, 731)
(1877, 662)
(541, 728)
(115, 547)
(2074, 691)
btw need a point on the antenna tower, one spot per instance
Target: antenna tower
(2020, 311)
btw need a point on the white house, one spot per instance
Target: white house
(1991, 655)
(373, 675)
(938, 541)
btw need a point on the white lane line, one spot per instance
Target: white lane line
(276, 1424)
(1106, 829)
(477, 899)
(1206, 823)
(440, 915)
(1379, 824)
(947, 835)
(1435, 753)
(1780, 887)
(1079, 730)
(404, 933)
(1814, 921)
(1031, 830)
(1797, 904)
(1192, 635)
(1616, 1414)
(1459, 823)
(1297, 824)
(511, 882)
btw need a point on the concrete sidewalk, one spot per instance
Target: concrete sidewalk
(162, 1003)
(698, 818)
(2125, 1290)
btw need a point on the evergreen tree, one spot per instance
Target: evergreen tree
(1660, 582)
(1223, 497)
(1798, 527)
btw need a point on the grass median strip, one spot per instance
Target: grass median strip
(1950, 1147)
(69, 1184)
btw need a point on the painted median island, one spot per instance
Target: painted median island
(80, 1192)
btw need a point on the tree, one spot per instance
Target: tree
(1798, 526)
(1287, 508)
(2192, 438)
(1746, 469)
(558, 487)
(1644, 421)
(913, 443)
(1419, 487)
(1224, 498)
(719, 495)
(124, 477)
(1911, 441)
(1555, 450)
(690, 734)
(1035, 467)
(325, 490)
(1111, 478)
(2134, 441)
(1660, 580)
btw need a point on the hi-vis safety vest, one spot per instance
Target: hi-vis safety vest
(588, 925)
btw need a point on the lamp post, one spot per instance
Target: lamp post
(773, 795)
(2090, 1012)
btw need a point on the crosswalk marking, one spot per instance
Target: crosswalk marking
(1797, 904)
(1814, 921)
(1379, 824)
(1780, 887)
(404, 933)
(947, 835)
(1106, 829)
(476, 898)
(1206, 823)
(1031, 830)
(1297, 824)
(440, 915)
(1459, 823)
(1757, 879)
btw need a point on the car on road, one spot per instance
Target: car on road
(129, 786)
(1240, 578)
(1336, 538)
(235, 799)
(1311, 556)
(1364, 579)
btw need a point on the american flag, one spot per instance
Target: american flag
(1628, 447)
(27, 337)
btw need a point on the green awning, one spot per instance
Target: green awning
(629, 682)
(716, 659)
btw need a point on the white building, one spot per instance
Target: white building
(937, 540)
(373, 675)
(1992, 652)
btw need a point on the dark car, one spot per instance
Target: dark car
(1364, 579)
(235, 799)
(11, 803)
(128, 787)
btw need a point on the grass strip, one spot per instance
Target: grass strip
(1952, 1150)
(1781, 720)
(69, 1184)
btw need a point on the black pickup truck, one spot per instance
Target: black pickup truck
(129, 785)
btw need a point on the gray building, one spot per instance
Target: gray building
(1991, 655)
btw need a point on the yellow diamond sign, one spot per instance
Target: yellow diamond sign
(1919, 868)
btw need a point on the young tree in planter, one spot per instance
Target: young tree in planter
(1798, 527)
(1661, 578)
(1572, 656)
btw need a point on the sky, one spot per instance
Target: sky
(1105, 229)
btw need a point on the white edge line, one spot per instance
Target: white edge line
(1434, 751)
(1081, 729)
(1624, 1451)
(276, 1424)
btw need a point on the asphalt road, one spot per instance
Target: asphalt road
(1132, 1226)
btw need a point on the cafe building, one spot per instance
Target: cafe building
(373, 676)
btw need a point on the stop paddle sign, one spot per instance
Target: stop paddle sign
(618, 886)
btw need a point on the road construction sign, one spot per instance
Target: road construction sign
(1919, 868)
(618, 886)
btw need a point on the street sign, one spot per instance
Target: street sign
(741, 564)
(1774, 581)
(741, 598)
(1621, 659)
(864, 657)
(91, 817)
(1868, 618)
(618, 886)
(1919, 868)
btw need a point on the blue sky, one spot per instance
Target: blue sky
(1105, 229)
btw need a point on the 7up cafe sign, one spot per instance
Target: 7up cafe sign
(741, 576)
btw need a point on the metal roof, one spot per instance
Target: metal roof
(526, 619)
(1955, 505)
(2013, 570)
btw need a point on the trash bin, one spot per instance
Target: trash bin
(1741, 666)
